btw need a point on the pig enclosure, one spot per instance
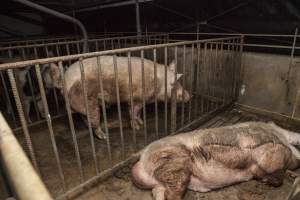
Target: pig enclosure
(63, 149)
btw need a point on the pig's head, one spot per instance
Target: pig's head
(181, 93)
(52, 76)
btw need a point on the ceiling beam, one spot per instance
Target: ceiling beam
(111, 5)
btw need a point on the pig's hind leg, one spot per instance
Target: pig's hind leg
(135, 116)
(173, 174)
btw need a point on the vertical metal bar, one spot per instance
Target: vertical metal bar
(155, 93)
(68, 52)
(197, 81)
(71, 122)
(119, 105)
(57, 50)
(232, 69)
(78, 48)
(211, 61)
(215, 68)
(96, 45)
(100, 82)
(138, 23)
(191, 82)
(112, 44)
(144, 100)
(49, 123)
(85, 93)
(132, 115)
(235, 79)
(241, 68)
(291, 58)
(53, 89)
(203, 86)
(31, 88)
(22, 119)
(166, 90)
(119, 44)
(173, 98)
(9, 104)
(183, 84)
(222, 72)
(104, 44)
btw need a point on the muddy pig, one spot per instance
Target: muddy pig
(74, 86)
(204, 160)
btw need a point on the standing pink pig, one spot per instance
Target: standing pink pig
(74, 86)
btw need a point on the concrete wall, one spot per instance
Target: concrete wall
(265, 82)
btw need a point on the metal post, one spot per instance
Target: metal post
(138, 22)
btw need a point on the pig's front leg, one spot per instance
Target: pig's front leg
(158, 192)
(136, 120)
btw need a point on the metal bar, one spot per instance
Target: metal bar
(183, 83)
(100, 82)
(155, 93)
(214, 71)
(119, 106)
(191, 83)
(241, 66)
(9, 104)
(86, 102)
(173, 97)
(144, 100)
(132, 112)
(291, 64)
(27, 184)
(166, 90)
(296, 102)
(22, 118)
(222, 72)
(197, 81)
(71, 122)
(49, 123)
(204, 76)
(53, 88)
(93, 54)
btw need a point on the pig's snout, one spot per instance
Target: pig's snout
(183, 95)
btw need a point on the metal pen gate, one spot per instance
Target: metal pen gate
(211, 69)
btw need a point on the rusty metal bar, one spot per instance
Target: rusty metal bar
(166, 89)
(131, 111)
(155, 93)
(26, 182)
(100, 82)
(174, 97)
(183, 83)
(119, 105)
(71, 122)
(144, 100)
(197, 81)
(49, 123)
(191, 83)
(86, 102)
(52, 87)
(22, 118)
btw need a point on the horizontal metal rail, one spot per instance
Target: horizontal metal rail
(73, 42)
(94, 54)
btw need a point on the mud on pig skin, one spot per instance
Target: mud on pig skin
(74, 86)
(204, 160)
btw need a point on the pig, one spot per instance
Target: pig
(73, 85)
(209, 159)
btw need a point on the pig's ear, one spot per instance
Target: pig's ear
(179, 76)
(172, 65)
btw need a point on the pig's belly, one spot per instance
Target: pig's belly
(214, 177)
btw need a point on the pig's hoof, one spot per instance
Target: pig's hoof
(140, 121)
(100, 134)
(135, 125)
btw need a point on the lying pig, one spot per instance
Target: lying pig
(209, 159)
(73, 85)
